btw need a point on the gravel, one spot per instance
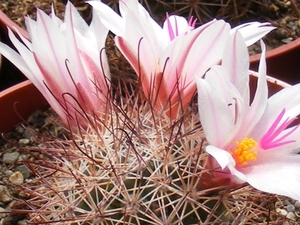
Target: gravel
(13, 172)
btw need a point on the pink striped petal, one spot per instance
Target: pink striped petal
(278, 177)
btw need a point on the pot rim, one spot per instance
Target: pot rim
(7, 22)
(18, 102)
(272, 80)
(283, 49)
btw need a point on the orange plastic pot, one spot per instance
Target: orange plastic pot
(282, 62)
(17, 103)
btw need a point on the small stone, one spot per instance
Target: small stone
(23, 194)
(2, 213)
(8, 173)
(24, 142)
(10, 157)
(291, 25)
(24, 170)
(10, 219)
(278, 204)
(20, 129)
(281, 33)
(16, 178)
(23, 157)
(29, 132)
(290, 208)
(23, 222)
(291, 216)
(281, 211)
(286, 40)
(41, 145)
(4, 194)
(297, 204)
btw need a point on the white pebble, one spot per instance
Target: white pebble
(16, 178)
(291, 216)
(281, 211)
(297, 204)
(290, 208)
(24, 142)
(4, 194)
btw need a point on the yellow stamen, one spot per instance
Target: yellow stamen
(245, 151)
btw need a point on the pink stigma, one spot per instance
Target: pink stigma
(272, 137)
(170, 28)
(192, 22)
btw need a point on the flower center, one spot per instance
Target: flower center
(245, 151)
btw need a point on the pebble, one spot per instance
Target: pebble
(10, 157)
(23, 194)
(24, 170)
(24, 142)
(286, 40)
(23, 222)
(297, 204)
(4, 194)
(291, 216)
(290, 208)
(23, 157)
(8, 172)
(16, 178)
(281, 33)
(291, 25)
(20, 129)
(29, 132)
(278, 204)
(281, 211)
(2, 213)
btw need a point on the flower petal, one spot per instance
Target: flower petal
(253, 31)
(225, 159)
(109, 17)
(288, 99)
(259, 102)
(216, 116)
(277, 177)
(236, 60)
(207, 49)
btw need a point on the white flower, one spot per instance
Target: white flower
(252, 141)
(64, 60)
(167, 58)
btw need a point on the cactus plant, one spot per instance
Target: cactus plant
(134, 166)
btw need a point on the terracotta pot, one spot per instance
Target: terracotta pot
(274, 84)
(5, 22)
(9, 74)
(282, 62)
(17, 103)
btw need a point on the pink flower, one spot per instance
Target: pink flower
(167, 58)
(255, 142)
(65, 61)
